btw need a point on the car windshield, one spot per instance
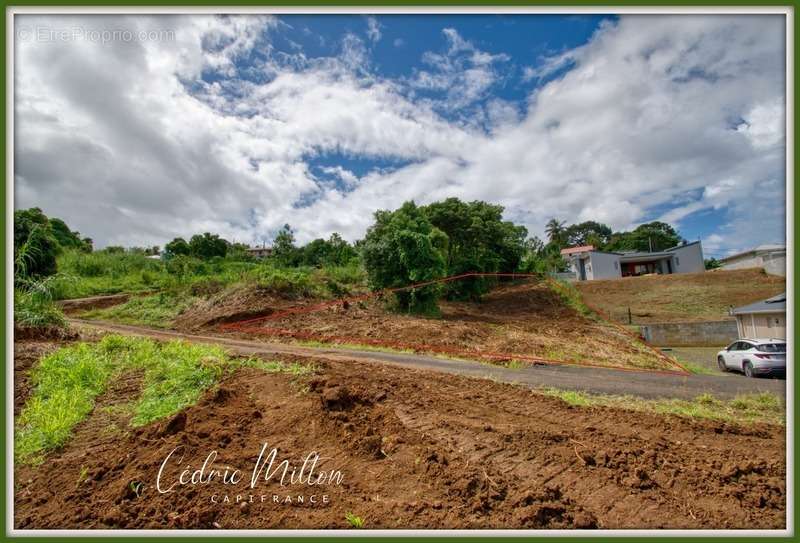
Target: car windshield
(772, 347)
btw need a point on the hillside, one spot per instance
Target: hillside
(686, 297)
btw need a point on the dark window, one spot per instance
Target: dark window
(772, 348)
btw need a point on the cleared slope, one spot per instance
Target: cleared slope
(680, 298)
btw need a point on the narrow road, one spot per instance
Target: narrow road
(595, 380)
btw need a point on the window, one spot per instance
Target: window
(772, 348)
(677, 261)
(616, 265)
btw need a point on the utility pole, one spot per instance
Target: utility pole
(650, 241)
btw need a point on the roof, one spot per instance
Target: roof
(759, 249)
(762, 340)
(581, 249)
(775, 304)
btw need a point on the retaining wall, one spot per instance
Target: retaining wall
(690, 334)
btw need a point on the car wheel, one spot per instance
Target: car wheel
(748, 369)
(721, 364)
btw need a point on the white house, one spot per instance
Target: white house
(770, 257)
(765, 319)
(587, 263)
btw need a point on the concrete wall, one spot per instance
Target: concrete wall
(688, 259)
(603, 266)
(775, 264)
(762, 325)
(690, 334)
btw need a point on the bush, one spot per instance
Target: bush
(402, 248)
(34, 307)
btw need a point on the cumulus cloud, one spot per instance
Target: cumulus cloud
(133, 143)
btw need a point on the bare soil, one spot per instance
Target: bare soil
(680, 297)
(512, 322)
(416, 449)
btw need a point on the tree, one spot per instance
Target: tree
(35, 245)
(401, 248)
(66, 237)
(555, 232)
(587, 233)
(712, 263)
(478, 241)
(541, 258)
(207, 246)
(652, 236)
(177, 247)
(284, 251)
(334, 251)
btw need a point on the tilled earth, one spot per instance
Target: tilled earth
(415, 449)
(513, 321)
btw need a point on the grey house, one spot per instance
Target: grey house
(770, 257)
(588, 264)
(764, 319)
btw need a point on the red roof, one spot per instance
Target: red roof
(581, 249)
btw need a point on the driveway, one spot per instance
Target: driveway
(594, 380)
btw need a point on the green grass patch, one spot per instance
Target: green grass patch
(33, 309)
(157, 310)
(745, 408)
(571, 297)
(67, 382)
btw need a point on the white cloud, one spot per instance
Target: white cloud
(373, 29)
(126, 143)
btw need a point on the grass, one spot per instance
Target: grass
(745, 408)
(34, 310)
(571, 297)
(67, 382)
(157, 311)
(354, 520)
(680, 297)
(102, 272)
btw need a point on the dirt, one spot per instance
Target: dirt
(71, 307)
(238, 303)
(416, 449)
(680, 297)
(518, 321)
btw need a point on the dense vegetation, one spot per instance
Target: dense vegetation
(411, 244)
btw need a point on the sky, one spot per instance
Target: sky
(136, 129)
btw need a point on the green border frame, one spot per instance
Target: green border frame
(709, 4)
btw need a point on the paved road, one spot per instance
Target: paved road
(596, 380)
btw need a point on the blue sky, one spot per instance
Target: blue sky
(241, 124)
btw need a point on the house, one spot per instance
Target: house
(770, 257)
(259, 252)
(764, 319)
(587, 263)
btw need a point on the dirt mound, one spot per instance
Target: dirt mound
(416, 450)
(94, 302)
(240, 302)
(513, 321)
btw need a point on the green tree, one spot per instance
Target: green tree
(712, 263)
(555, 232)
(66, 237)
(284, 250)
(207, 246)
(35, 245)
(479, 240)
(652, 236)
(587, 233)
(334, 251)
(177, 247)
(401, 248)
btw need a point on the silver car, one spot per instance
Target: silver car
(754, 357)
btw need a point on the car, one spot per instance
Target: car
(754, 357)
